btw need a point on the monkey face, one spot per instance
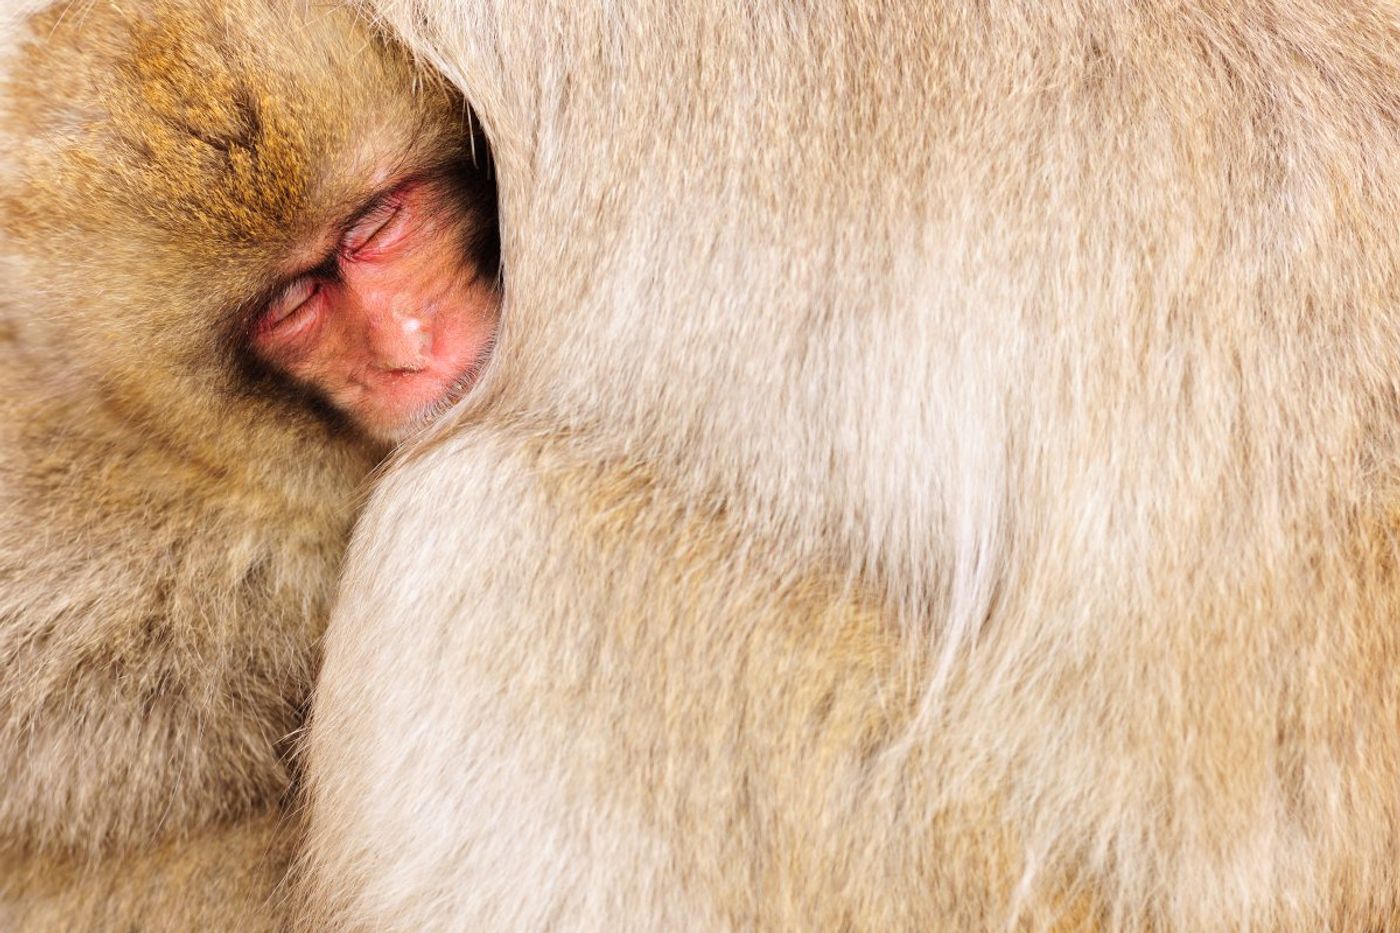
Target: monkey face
(260, 217)
(391, 326)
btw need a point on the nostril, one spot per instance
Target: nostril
(400, 344)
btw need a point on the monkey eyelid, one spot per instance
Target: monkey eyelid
(282, 313)
(372, 222)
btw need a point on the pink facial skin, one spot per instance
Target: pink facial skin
(399, 326)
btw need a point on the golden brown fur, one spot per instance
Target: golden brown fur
(222, 877)
(939, 471)
(173, 521)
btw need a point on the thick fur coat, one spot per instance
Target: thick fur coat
(171, 525)
(939, 471)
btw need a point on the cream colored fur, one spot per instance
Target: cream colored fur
(939, 472)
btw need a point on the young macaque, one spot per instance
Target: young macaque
(245, 246)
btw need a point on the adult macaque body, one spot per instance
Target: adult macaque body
(952, 485)
(245, 248)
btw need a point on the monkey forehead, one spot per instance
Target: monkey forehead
(210, 122)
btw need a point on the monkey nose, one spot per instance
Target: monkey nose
(404, 347)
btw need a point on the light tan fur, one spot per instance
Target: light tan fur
(170, 527)
(939, 472)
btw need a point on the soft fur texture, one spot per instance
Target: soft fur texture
(172, 523)
(939, 472)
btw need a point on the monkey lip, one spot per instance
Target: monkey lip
(461, 351)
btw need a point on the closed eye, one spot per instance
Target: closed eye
(290, 310)
(376, 229)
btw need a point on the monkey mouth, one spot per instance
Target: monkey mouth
(455, 391)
